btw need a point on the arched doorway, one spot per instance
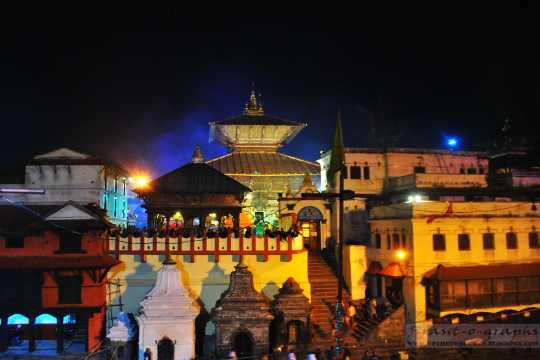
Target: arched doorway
(309, 221)
(294, 332)
(243, 344)
(165, 350)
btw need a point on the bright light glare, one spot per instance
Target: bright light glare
(414, 198)
(139, 181)
(401, 254)
(452, 142)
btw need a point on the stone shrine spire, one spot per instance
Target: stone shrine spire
(253, 107)
(197, 156)
(167, 312)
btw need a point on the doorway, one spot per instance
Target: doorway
(311, 235)
(165, 349)
(309, 221)
(242, 344)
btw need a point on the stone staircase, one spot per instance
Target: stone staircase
(324, 287)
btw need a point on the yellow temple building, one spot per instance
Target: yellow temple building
(253, 140)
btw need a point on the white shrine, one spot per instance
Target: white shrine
(167, 318)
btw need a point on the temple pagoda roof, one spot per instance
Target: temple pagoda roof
(195, 178)
(263, 163)
(245, 119)
(254, 128)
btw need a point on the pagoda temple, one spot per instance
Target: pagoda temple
(192, 194)
(254, 139)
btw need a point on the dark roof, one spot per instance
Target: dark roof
(57, 262)
(15, 218)
(195, 178)
(257, 120)
(265, 163)
(483, 271)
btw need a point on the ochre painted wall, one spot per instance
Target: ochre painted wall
(207, 280)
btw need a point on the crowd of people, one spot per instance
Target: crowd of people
(200, 231)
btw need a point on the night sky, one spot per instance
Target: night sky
(139, 86)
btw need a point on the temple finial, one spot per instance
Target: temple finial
(197, 156)
(253, 108)
(241, 263)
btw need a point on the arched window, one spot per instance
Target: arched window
(69, 319)
(18, 319)
(45, 319)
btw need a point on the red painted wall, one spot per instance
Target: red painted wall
(49, 242)
(92, 295)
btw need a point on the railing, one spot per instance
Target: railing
(216, 246)
(412, 181)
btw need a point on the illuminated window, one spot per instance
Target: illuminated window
(305, 230)
(356, 172)
(489, 241)
(464, 242)
(533, 240)
(18, 319)
(439, 242)
(511, 240)
(45, 319)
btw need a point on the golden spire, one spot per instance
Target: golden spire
(253, 107)
(197, 156)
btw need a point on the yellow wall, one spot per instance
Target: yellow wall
(471, 218)
(354, 268)
(206, 279)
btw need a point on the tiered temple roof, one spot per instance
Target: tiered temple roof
(253, 139)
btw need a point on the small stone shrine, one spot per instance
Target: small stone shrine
(121, 336)
(167, 320)
(291, 309)
(242, 317)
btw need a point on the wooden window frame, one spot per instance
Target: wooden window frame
(437, 238)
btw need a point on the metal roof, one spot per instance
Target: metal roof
(263, 163)
(195, 178)
(256, 120)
